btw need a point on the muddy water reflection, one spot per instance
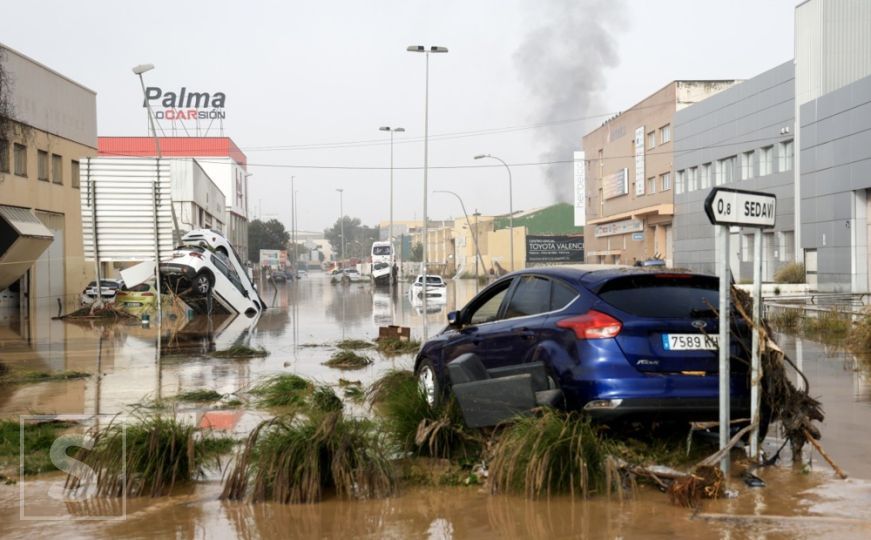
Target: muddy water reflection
(300, 330)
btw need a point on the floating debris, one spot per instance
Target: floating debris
(354, 344)
(346, 359)
(393, 346)
(241, 351)
(24, 377)
(285, 390)
(202, 395)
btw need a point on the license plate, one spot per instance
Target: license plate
(689, 342)
(133, 304)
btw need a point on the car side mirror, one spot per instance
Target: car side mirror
(454, 318)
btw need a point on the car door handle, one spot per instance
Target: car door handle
(525, 333)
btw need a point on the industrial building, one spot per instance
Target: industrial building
(53, 129)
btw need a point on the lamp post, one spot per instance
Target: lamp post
(477, 279)
(474, 234)
(341, 222)
(510, 206)
(293, 223)
(295, 233)
(390, 231)
(139, 70)
(426, 51)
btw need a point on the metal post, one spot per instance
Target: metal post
(468, 224)
(755, 363)
(478, 258)
(390, 230)
(425, 163)
(293, 222)
(341, 223)
(725, 294)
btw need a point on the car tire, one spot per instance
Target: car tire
(202, 284)
(428, 382)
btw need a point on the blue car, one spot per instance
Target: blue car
(619, 342)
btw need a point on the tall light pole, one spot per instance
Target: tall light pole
(426, 51)
(477, 279)
(469, 224)
(341, 222)
(510, 206)
(390, 231)
(295, 233)
(293, 222)
(139, 70)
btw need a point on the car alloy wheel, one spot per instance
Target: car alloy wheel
(202, 284)
(426, 379)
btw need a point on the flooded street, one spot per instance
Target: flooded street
(300, 330)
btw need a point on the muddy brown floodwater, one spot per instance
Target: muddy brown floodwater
(300, 331)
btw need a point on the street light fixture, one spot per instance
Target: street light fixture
(390, 231)
(138, 71)
(510, 206)
(341, 222)
(426, 51)
(474, 234)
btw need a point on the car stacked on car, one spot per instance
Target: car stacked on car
(620, 342)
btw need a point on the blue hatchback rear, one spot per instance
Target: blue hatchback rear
(619, 342)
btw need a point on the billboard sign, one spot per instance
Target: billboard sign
(554, 249)
(580, 189)
(639, 161)
(616, 184)
(273, 258)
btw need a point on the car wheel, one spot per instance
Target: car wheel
(202, 284)
(428, 382)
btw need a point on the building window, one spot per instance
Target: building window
(726, 170)
(746, 247)
(651, 140)
(57, 169)
(785, 155)
(679, 182)
(651, 185)
(42, 165)
(4, 156)
(75, 181)
(664, 134)
(20, 155)
(765, 160)
(665, 180)
(705, 180)
(747, 165)
(786, 243)
(693, 179)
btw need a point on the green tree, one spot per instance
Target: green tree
(358, 237)
(266, 235)
(417, 252)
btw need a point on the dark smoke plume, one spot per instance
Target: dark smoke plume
(563, 63)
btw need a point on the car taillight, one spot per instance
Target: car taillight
(592, 325)
(147, 294)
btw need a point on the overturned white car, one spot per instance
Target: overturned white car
(208, 275)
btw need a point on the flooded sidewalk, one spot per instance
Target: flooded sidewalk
(131, 364)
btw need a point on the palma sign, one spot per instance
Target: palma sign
(184, 104)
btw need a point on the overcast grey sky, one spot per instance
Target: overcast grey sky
(298, 74)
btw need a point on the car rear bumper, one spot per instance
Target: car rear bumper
(675, 408)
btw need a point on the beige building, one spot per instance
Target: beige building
(54, 128)
(630, 177)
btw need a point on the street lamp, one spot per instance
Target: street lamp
(474, 235)
(390, 233)
(341, 222)
(426, 51)
(510, 206)
(139, 70)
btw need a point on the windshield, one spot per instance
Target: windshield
(381, 250)
(663, 295)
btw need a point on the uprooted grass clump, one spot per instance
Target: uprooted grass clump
(393, 346)
(160, 453)
(860, 338)
(827, 326)
(25, 377)
(552, 452)
(107, 311)
(37, 440)
(346, 359)
(419, 429)
(354, 344)
(301, 458)
(284, 390)
(199, 396)
(241, 351)
(324, 399)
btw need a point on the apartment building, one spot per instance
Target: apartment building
(630, 176)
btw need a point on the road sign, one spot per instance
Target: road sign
(726, 206)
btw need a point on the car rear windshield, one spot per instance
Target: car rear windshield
(663, 295)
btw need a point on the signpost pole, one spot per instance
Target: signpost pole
(755, 363)
(725, 293)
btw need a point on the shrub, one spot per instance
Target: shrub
(790, 273)
(354, 344)
(554, 452)
(347, 359)
(295, 459)
(285, 390)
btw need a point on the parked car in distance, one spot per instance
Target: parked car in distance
(138, 296)
(347, 276)
(196, 274)
(435, 287)
(620, 342)
(278, 276)
(108, 290)
(301, 273)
